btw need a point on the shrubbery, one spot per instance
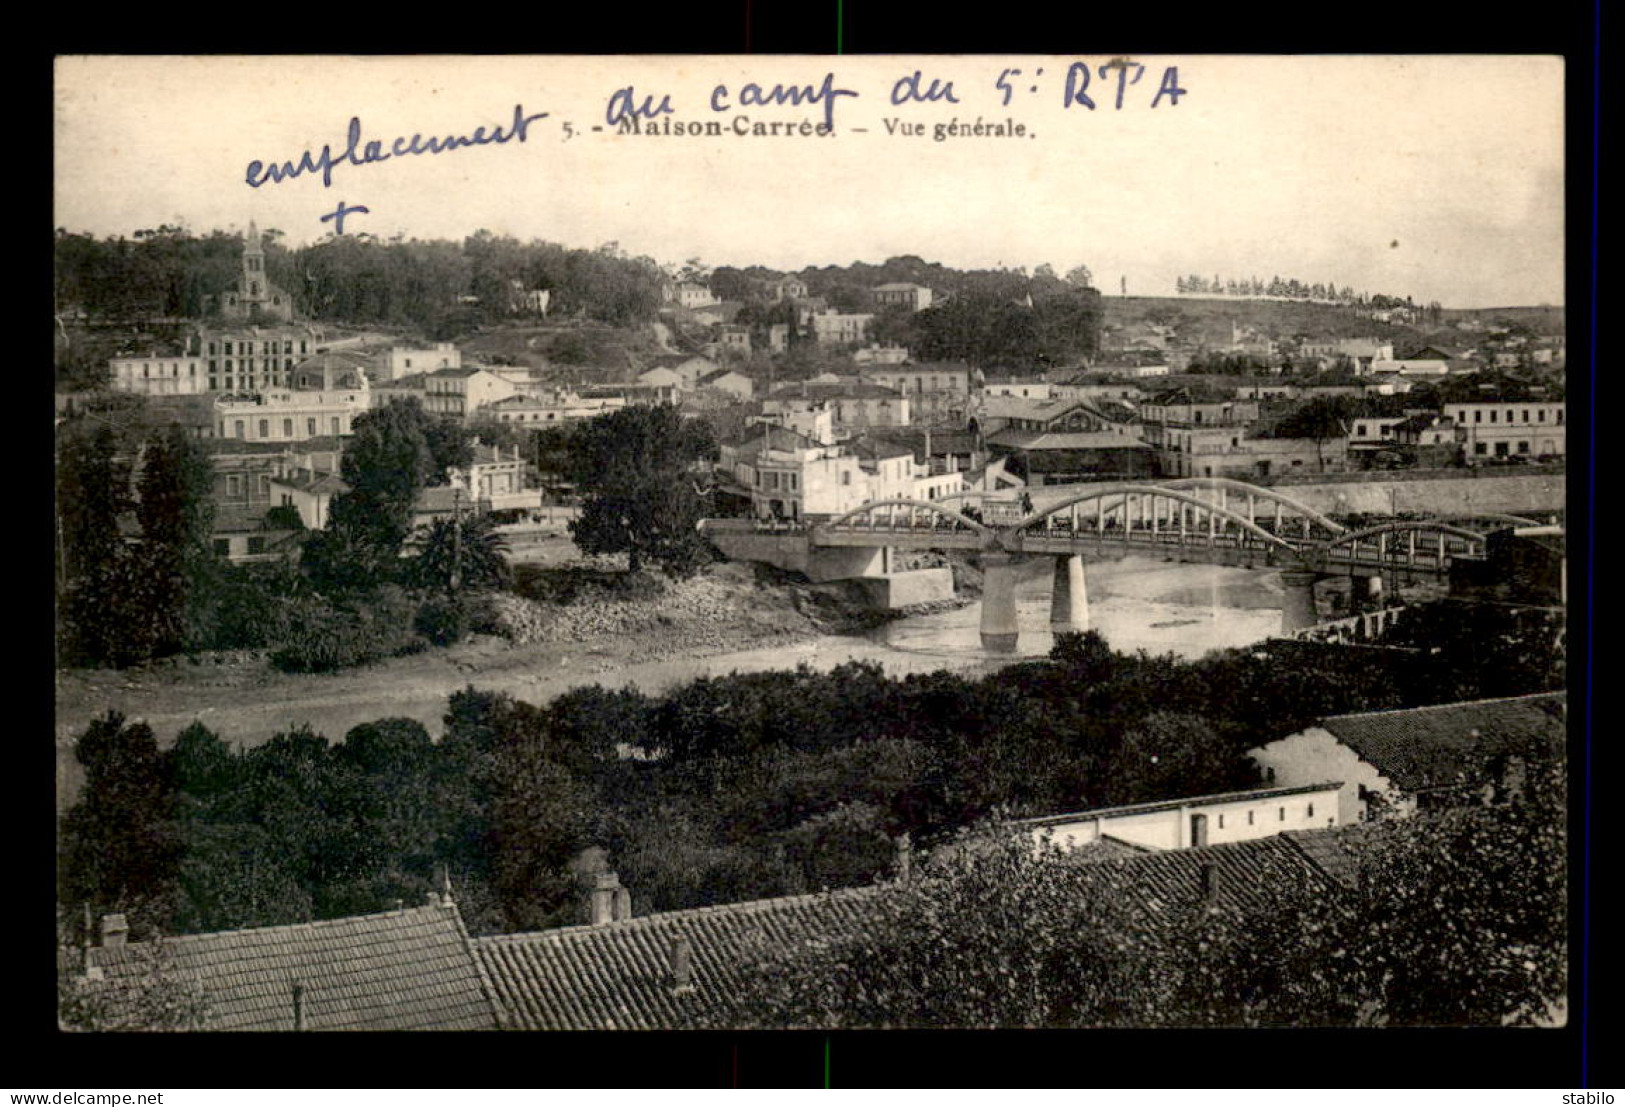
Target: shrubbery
(320, 636)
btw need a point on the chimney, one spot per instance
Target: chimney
(92, 970)
(682, 966)
(115, 931)
(299, 1007)
(603, 902)
(1210, 883)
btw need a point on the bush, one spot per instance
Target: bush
(445, 620)
(319, 636)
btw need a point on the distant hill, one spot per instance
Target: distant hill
(1198, 320)
(1208, 320)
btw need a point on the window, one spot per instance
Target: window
(256, 544)
(238, 422)
(287, 428)
(1540, 415)
(1311, 811)
(1523, 447)
(1526, 415)
(1478, 416)
(1492, 416)
(233, 486)
(1221, 822)
(1509, 415)
(1249, 818)
(310, 427)
(1282, 817)
(846, 477)
(1559, 415)
(265, 428)
(222, 547)
(335, 424)
(1501, 449)
(1480, 449)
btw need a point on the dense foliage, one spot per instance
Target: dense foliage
(121, 600)
(723, 789)
(442, 288)
(634, 469)
(1450, 919)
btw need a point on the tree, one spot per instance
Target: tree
(386, 464)
(1080, 277)
(634, 468)
(1321, 418)
(176, 510)
(458, 555)
(118, 847)
(1168, 754)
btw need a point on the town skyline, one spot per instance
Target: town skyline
(1446, 184)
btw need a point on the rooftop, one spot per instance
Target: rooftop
(618, 976)
(1215, 799)
(1454, 744)
(400, 970)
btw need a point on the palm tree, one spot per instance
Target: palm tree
(454, 555)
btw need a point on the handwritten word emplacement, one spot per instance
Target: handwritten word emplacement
(358, 154)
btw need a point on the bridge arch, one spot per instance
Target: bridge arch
(1487, 517)
(1124, 491)
(1352, 539)
(1229, 484)
(927, 505)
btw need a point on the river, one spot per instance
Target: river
(1135, 603)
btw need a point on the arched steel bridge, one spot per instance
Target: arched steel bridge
(1202, 519)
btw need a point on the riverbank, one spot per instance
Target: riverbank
(728, 609)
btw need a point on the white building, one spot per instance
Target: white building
(401, 361)
(157, 375)
(834, 328)
(1527, 429)
(1195, 820)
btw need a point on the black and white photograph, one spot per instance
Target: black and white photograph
(811, 543)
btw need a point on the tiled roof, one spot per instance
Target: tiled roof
(1107, 848)
(845, 390)
(618, 975)
(1248, 874)
(401, 970)
(1454, 744)
(1329, 848)
(1065, 440)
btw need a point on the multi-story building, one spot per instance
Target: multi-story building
(458, 393)
(160, 375)
(834, 328)
(496, 478)
(789, 476)
(787, 288)
(1527, 428)
(914, 297)
(855, 406)
(324, 395)
(254, 357)
(402, 361)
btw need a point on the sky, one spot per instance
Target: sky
(1441, 178)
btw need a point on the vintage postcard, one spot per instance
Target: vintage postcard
(599, 543)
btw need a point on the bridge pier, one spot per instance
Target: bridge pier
(1000, 629)
(1297, 600)
(1069, 600)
